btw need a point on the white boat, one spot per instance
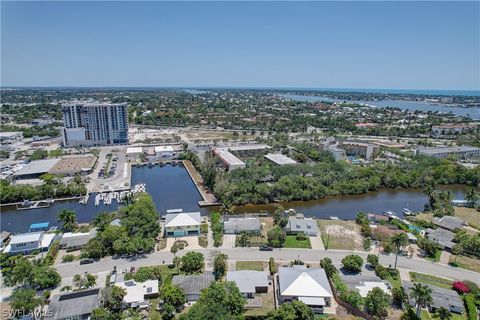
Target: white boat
(407, 212)
(390, 214)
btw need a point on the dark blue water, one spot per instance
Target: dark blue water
(472, 112)
(172, 188)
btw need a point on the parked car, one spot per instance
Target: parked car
(86, 261)
(266, 248)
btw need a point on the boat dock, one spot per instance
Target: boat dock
(119, 196)
(27, 205)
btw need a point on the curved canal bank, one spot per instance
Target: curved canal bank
(172, 187)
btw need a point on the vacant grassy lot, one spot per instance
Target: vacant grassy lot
(341, 234)
(428, 279)
(470, 215)
(292, 242)
(267, 305)
(249, 265)
(466, 263)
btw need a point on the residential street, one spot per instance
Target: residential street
(280, 255)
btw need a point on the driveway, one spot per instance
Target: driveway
(192, 243)
(317, 243)
(229, 241)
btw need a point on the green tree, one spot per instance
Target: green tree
(422, 295)
(22, 273)
(352, 263)
(327, 264)
(399, 297)
(173, 295)
(276, 237)
(472, 197)
(279, 218)
(295, 310)
(25, 300)
(220, 265)
(353, 298)
(68, 219)
(95, 248)
(192, 262)
(377, 302)
(113, 297)
(100, 314)
(444, 314)
(398, 240)
(46, 277)
(372, 260)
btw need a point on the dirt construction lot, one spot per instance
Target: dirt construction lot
(344, 235)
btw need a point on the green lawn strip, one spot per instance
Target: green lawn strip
(394, 279)
(249, 265)
(154, 314)
(465, 263)
(428, 279)
(292, 242)
(424, 315)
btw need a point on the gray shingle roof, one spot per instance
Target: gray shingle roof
(237, 225)
(448, 222)
(248, 280)
(74, 304)
(193, 284)
(442, 237)
(441, 297)
(306, 226)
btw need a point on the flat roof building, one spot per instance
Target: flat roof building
(133, 152)
(6, 137)
(279, 159)
(463, 152)
(24, 243)
(73, 165)
(138, 292)
(35, 169)
(228, 159)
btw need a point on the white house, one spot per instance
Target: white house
(138, 292)
(308, 285)
(182, 224)
(25, 243)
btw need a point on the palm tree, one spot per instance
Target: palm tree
(429, 191)
(422, 295)
(227, 208)
(444, 314)
(398, 240)
(68, 218)
(472, 197)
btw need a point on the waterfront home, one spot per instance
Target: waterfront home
(137, 293)
(192, 285)
(182, 224)
(74, 305)
(448, 222)
(307, 285)
(307, 226)
(76, 240)
(249, 282)
(239, 225)
(42, 226)
(25, 243)
(446, 298)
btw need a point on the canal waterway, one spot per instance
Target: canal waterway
(171, 187)
(472, 112)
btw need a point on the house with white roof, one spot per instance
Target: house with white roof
(249, 282)
(138, 292)
(25, 243)
(182, 224)
(307, 285)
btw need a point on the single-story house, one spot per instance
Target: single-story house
(76, 240)
(25, 243)
(182, 224)
(448, 222)
(307, 226)
(444, 238)
(411, 237)
(74, 305)
(239, 225)
(446, 298)
(41, 226)
(192, 285)
(249, 282)
(138, 292)
(308, 285)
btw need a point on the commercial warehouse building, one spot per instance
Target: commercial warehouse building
(230, 161)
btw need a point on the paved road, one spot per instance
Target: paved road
(280, 255)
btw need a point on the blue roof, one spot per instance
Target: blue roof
(39, 225)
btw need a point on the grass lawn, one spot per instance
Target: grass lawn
(428, 279)
(292, 242)
(470, 215)
(424, 315)
(267, 305)
(342, 235)
(466, 263)
(394, 279)
(154, 314)
(249, 265)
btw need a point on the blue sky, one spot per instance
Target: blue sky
(405, 45)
